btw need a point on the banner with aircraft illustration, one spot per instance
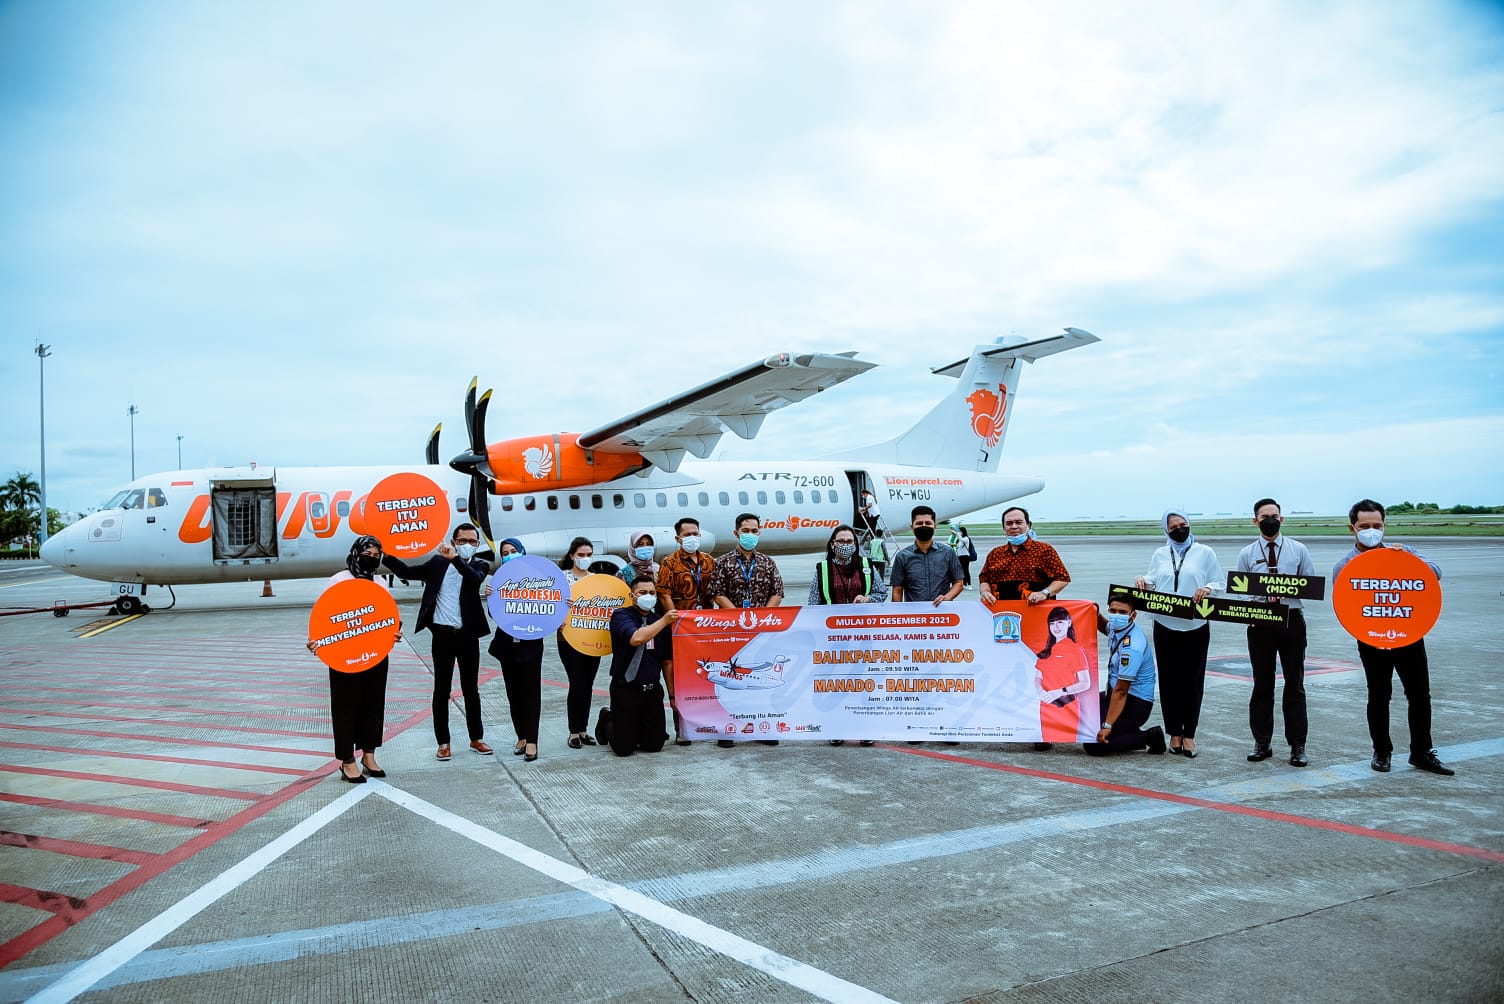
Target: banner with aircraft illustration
(960, 672)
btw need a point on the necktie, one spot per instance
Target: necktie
(1272, 567)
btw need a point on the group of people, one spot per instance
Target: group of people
(455, 581)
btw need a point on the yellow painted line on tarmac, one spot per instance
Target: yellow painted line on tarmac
(111, 626)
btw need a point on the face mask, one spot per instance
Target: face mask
(1269, 526)
(690, 544)
(582, 563)
(1118, 622)
(924, 534)
(505, 557)
(843, 552)
(1019, 540)
(1180, 533)
(643, 553)
(646, 601)
(368, 563)
(466, 551)
(748, 541)
(1370, 538)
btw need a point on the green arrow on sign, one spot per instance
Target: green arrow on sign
(1240, 583)
(1205, 607)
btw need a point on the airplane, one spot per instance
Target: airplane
(248, 523)
(763, 676)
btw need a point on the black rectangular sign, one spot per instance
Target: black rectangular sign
(1213, 608)
(1286, 587)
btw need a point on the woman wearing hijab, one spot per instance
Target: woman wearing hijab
(846, 576)
(357, 701)
(1185, 568)
(579, 667)
(521, 662)
(640, 563)
(1061, 673)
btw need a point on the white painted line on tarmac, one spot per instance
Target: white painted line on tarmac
(798, 974)
(127, 948)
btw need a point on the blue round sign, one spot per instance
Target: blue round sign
(529, 597)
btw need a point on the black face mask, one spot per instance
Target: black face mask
(924, 534)
(1179, 534)
(368, 562)
(1269, 526)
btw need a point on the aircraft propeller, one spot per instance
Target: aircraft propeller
(432, 453)
(474, 461)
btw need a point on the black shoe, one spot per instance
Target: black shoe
(587, 740)
(530, 757)
(1380, 762)
(1189, 754)
(1431, 762)
(1298, 756)
(838, 742)
(681, 741)
(602, 728)
(1156, 740)
(519, 749)
(725, 744)
(575, 743)
(767, 742)
(1263, 751)
(1043, 747)
(866, 742)
(952, 744)
(357, 779)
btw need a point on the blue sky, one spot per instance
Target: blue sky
(291, 233)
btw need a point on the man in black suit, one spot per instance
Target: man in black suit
(452, 612)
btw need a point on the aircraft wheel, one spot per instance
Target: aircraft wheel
(129, 605)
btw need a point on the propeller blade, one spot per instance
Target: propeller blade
(478, 426)
(432, 453)
(480, 505)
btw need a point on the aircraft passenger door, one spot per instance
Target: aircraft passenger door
(318, 514)
(860, 483)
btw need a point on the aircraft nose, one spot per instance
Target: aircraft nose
(55, 550)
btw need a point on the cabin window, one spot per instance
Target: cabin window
(639, 500)
(506, 503)
(683, 499)
(833, 496)
(814, 495)
(741, 498)
(779, 497)
(343, 507)
(798, 497)
(762, 498)
(596, 502)
(529, 502)
(574, 501)
(704, 499)
(116, 500)
(618, 501)
(134, 500)
(662, 500)
(155, 497)
(725, 499)
(553, 502)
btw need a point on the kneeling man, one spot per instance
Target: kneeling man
(1129, 697)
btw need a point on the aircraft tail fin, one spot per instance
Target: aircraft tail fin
(965, 430)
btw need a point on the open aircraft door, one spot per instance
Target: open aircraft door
(243, 508)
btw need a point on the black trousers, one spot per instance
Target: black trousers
(965, 570)
(1288, 643)
(1181, 657)
(1127, 732)
(581, 670)
(522, 670)
(636, 720)
(357, 710)
(1379, 666)
(451, 647)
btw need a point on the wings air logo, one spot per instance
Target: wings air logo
(538, 461)
(987, 411)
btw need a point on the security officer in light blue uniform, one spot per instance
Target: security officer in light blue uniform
(1129, 697)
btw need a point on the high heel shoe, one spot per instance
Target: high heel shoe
(1188, 752)
(357, 779)
(517, 750)
(530, 757)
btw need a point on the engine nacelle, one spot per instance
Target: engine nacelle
(541, 463)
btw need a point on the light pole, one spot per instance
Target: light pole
(180, 453)
(133, 411)
(43, 351)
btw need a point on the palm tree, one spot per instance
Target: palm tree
(21, 492)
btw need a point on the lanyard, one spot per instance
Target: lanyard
(747, 571)
(1178, 565)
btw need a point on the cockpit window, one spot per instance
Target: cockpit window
(116, 500)
(155, 498)
(134, 498)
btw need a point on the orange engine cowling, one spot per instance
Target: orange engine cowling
(539, 463)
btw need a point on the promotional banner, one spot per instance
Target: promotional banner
(408, 513)
(353, 625)
(528, 597)
(1212, 608)
(1297, 587)
(592, 601)
(1387, 598)
(959, 672)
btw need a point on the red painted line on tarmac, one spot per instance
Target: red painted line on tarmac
(187, 822)
(1249, 680)
(275, 702)
(90, 751)
(152, 707)
(189, 680)
(1206, 803)
(212, 726)
(146, 738)
(134, 782)
(565, 683)
(75, 848)
(55, 903)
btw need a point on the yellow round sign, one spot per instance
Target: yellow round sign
(592, 601)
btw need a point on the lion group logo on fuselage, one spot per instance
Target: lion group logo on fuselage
(987, 413)
(538, 461)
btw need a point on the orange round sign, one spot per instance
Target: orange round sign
(592, 601)
(1387, 598)
(353, 625)
(408, 513)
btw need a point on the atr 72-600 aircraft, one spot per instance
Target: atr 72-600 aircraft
(225, 524)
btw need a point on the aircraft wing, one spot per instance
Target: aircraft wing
(693, 422)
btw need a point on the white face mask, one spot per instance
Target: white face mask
(644, 553)
(691, 544)
(1370, 538)
(647, 601)
(583, 562)
(466, 551)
